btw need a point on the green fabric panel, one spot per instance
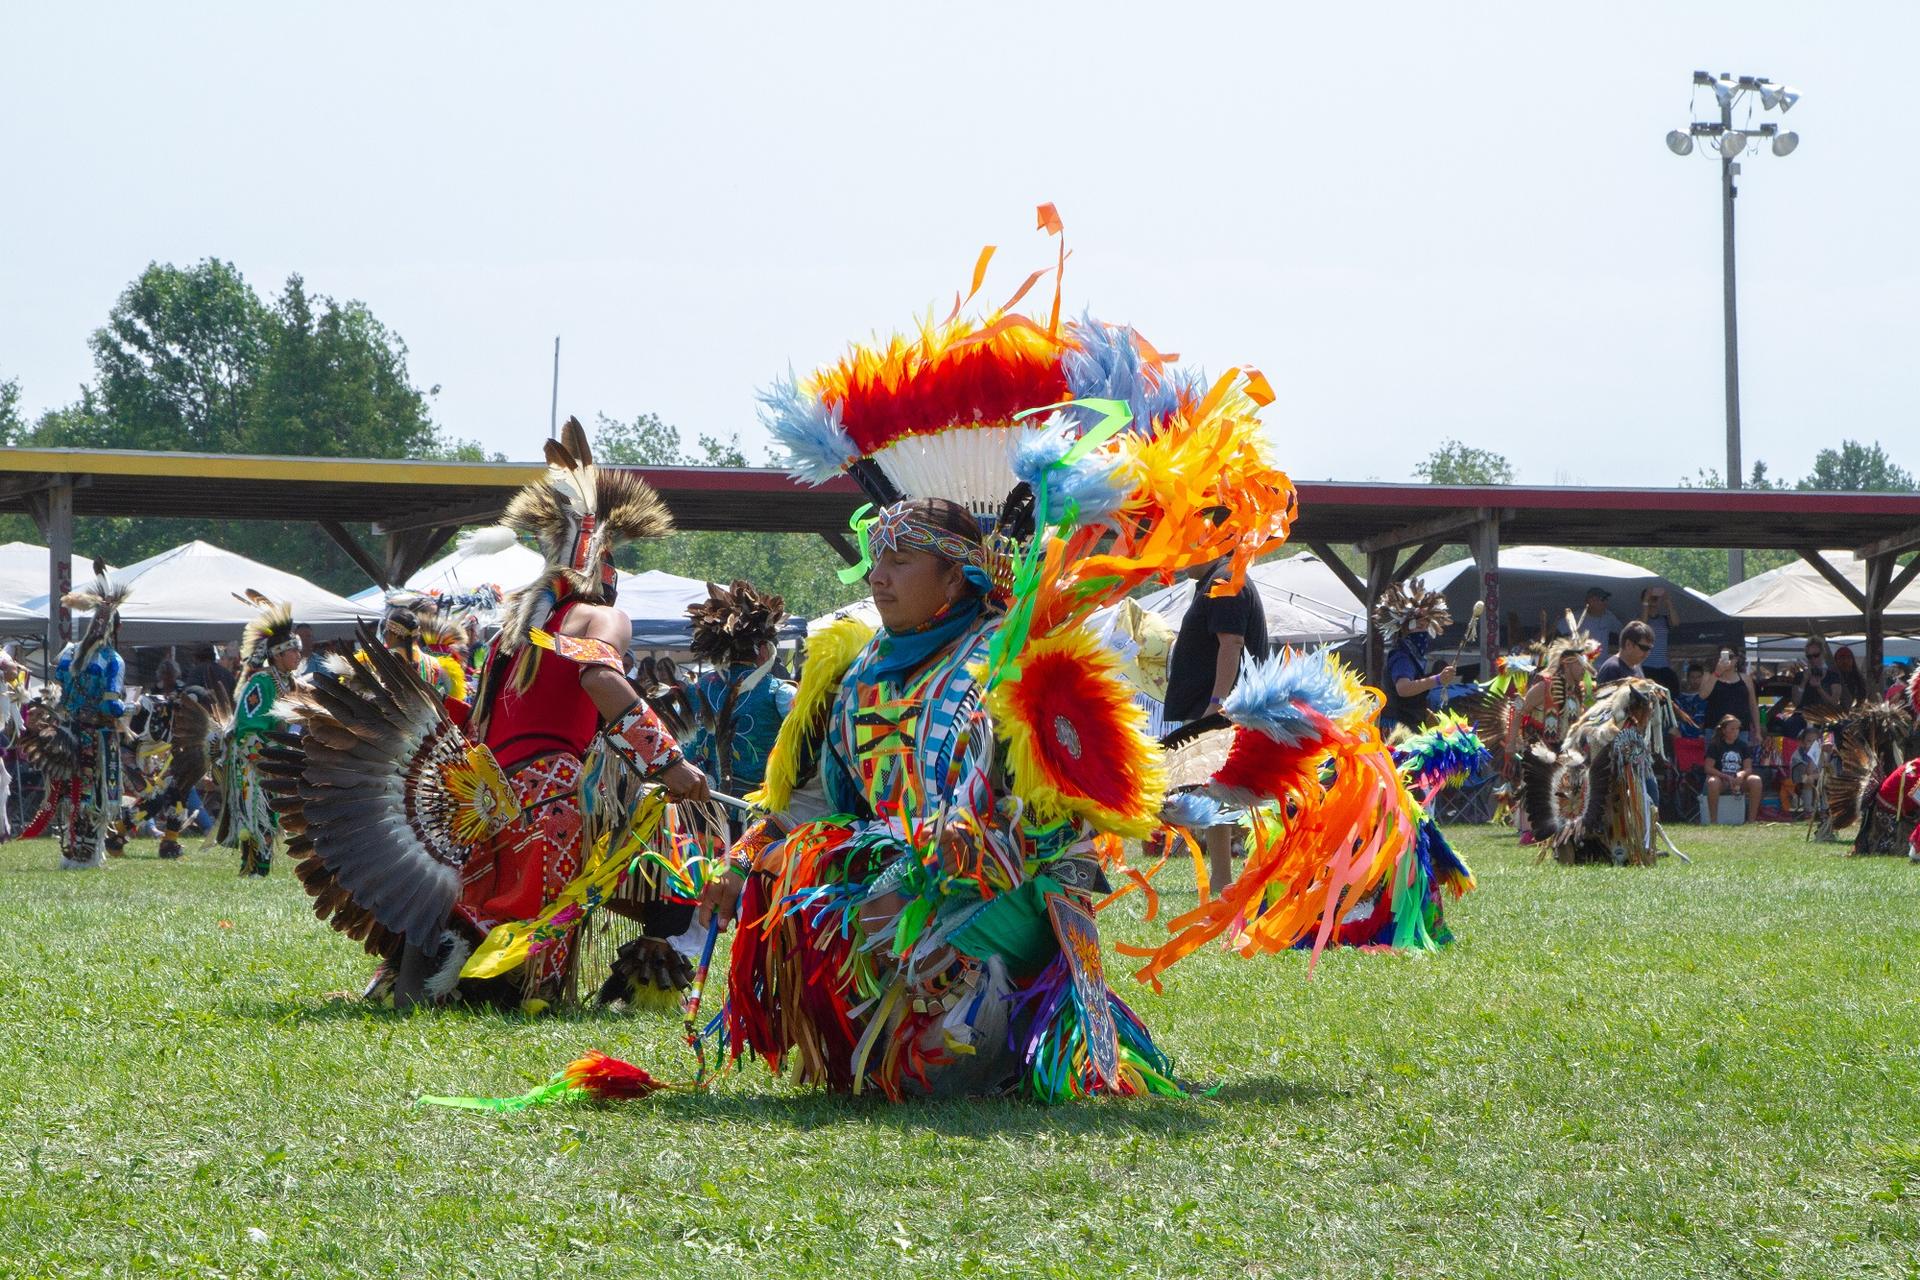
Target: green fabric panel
(1015, 927)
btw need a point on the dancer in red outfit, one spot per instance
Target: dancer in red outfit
(499, 796)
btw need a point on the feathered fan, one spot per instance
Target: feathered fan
(383, 798)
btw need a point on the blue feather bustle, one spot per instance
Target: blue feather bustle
(1106, 366)
(1194, 810)
(818, 446)
(1095, 487)
(1290, 695)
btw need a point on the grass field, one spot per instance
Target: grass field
(1689, 1071)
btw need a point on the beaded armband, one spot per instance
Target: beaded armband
(582, 651)
(643, 741)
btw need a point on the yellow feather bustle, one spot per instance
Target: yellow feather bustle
(830, 652)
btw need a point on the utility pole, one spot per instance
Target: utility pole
(1730, 142)
(553, 411)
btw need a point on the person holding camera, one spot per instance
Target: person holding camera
(1728, 691)
(1657, 612)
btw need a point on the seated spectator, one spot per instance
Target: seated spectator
(1595, 618)
(1636, 641)
(1818, 685)
(1802, 765)
(1785, 721)
(1691, 705)
(1853, 685)
(1730, 769)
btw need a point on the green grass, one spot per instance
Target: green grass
(1689, 1071)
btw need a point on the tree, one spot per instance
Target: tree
(1457, 463)
(1857, 468)
(191, 360)
(11, 426)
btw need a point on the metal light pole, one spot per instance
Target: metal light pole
(1729, 143)
(553, 410)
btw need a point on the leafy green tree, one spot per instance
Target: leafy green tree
(1857, 468)
(192, 360)
(1457, 463)
(11, 425)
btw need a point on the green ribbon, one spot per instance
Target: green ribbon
(1114, 415)
(860, 523)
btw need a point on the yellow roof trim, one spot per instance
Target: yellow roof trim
(126, 462)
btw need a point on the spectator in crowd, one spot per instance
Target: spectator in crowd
(1595, 618)
(1802, 765)
(1636, 641)
(1853, 685)
(208, 673)
(313, 663)
(1730, 769)
(1690, 704)
(1657, 611)
(1216, 634)
(1785, 720)
(1728, 690)
(1818, 687)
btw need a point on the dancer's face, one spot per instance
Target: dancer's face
(910, 587)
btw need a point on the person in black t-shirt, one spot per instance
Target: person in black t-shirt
(1730, 769)
(1217, 633)
(1636, 641)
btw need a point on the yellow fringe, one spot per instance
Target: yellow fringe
(830, 652)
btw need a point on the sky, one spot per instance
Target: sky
(1420, 221)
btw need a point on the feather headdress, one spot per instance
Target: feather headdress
(1408, 608)
(732, 623)
(268, 633)
(103, 598)
(576, 516)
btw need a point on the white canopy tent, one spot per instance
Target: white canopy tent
(458, 573)
(23, 573)
(1304, 603)
(1555, 579)
(16, 621)
(1797, 598)
(188, 594)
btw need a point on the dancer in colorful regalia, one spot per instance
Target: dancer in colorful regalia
(464, 845)
(1874, 781)
(918, 915)
(1597, 798)
(270, 654)
(737, 705)
(72, 732)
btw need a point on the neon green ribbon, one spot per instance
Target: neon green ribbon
(860, 523)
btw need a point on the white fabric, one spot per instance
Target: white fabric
(1304, 603)
(188, 594)
(459, 572)
(23, 572)
(1797, 593)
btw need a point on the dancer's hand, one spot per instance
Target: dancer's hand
(683, 781)
(721, 898)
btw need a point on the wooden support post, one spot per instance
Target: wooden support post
(1879, 575)
(1486, 558)
(344, 539)
(1902, 580)
(57, 528)
(1418, 560)
(407, 551)
(1379, 576)
(1348, 578)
